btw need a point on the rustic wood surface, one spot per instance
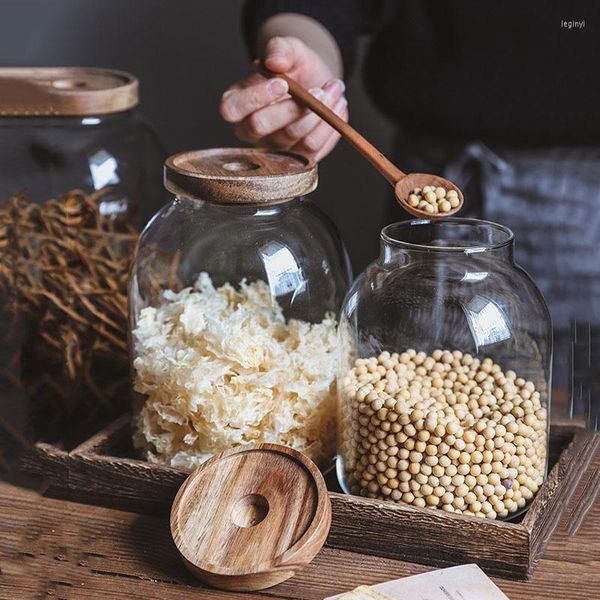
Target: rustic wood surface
(102, 471)
(251, 517)
(53, 548)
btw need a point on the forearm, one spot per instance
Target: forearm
(315, 35)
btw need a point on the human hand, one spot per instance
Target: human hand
(263, 112)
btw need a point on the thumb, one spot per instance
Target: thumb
(280, 55)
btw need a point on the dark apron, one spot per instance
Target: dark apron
(550, 198)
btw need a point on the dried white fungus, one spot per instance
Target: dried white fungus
(222, 367)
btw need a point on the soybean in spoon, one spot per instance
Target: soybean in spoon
(404, 184)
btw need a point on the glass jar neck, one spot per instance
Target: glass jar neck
(41, 121)
(241, 209)
(436, 240)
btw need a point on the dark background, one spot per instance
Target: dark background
(186, 53)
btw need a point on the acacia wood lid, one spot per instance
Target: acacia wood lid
(251, 517)
(65, 91)
(240, 175)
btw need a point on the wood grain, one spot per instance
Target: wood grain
(585, 502)
(428, 536)
(65, 91)
(251, 517)
(556, 492)
(53, 548)
(240, 175)
(102, 471)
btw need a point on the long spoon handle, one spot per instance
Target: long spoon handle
(390, 171)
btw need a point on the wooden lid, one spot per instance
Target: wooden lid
(65, 91)
(240, 175)
(251, 517)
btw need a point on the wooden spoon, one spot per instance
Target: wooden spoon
(402, 183)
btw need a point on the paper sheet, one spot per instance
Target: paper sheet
(465, 582)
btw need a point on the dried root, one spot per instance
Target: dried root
(63, 308)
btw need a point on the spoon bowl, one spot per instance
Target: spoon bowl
(405, 185)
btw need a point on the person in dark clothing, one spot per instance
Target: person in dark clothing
(500, 97)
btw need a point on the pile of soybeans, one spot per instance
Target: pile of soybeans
(447, 431)
(433, 199)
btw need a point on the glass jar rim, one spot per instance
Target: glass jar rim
(470, 246)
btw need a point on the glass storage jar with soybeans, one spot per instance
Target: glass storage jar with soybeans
(234, 297)
(445, 370)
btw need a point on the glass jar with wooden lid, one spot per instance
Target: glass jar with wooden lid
(234, 296)
(445, 371)
(63, 129)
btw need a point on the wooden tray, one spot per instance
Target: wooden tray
(103, 470)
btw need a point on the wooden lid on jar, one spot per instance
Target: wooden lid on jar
(240, 175)
(65, 92)
(251, 517)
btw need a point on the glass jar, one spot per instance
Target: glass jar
(63, 129)
(233, 299)
(80, 173)
(445, 369)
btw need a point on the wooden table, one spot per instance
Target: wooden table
(58, 549)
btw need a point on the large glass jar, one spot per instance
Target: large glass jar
(80, 173)
(445, 369)
(234, 297)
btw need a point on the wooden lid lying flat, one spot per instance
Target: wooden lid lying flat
(251, 517)
(65, 91)
(240, 175)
